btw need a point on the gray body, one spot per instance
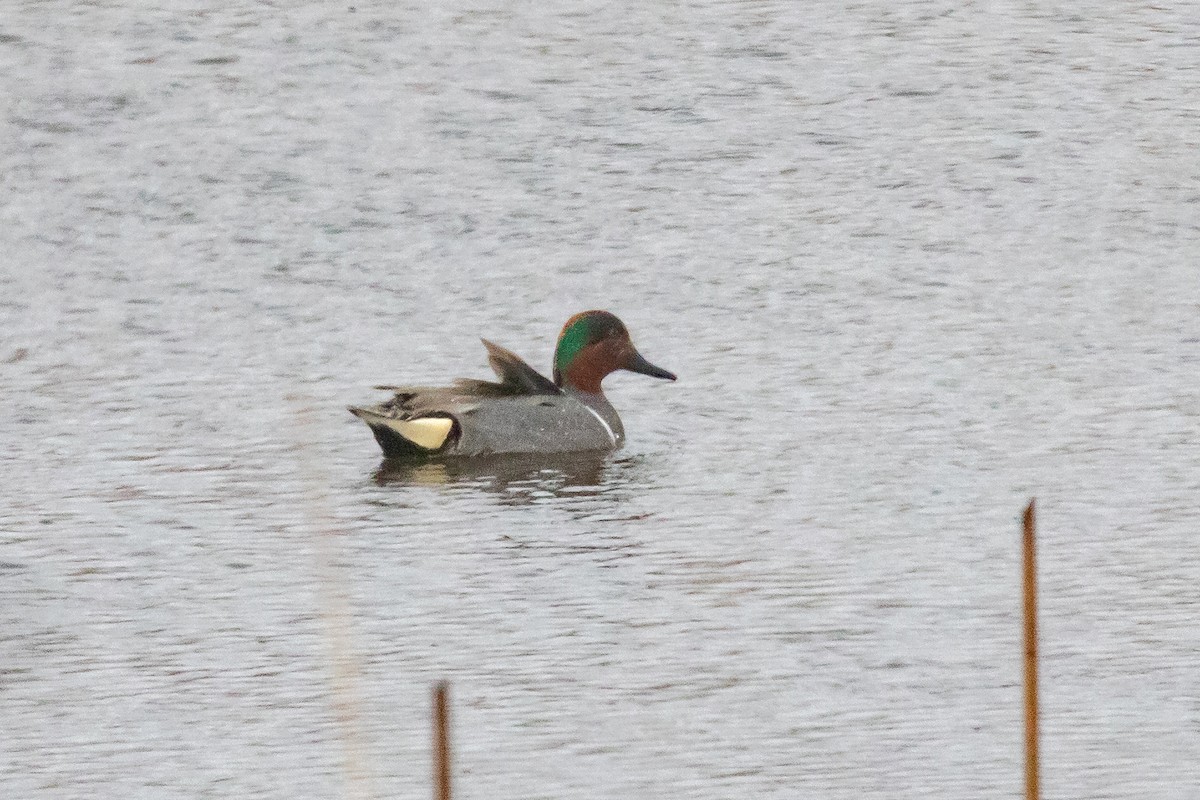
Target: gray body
(534, 424)
(524, 412)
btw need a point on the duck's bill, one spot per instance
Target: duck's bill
(638, 364)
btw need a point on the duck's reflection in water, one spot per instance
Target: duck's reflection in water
(514, 479)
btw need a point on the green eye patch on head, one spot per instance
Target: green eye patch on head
(576, 337)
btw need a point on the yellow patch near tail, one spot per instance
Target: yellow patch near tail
(427, 432)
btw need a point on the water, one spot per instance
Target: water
(914, 263)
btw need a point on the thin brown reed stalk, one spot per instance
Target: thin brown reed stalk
(1032, 774)
(441, 742)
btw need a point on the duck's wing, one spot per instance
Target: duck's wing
(415, 401)
(516, 378)
(515, 375)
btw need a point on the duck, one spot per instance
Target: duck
(523, 411)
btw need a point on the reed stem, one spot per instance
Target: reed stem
(441, 742)
(1032, 773)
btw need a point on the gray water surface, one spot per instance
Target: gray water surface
(914, 263)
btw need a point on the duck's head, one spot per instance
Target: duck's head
(592, 345)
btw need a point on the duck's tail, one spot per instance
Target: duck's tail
(401, 438)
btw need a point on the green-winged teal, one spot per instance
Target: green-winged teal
(524, 412)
